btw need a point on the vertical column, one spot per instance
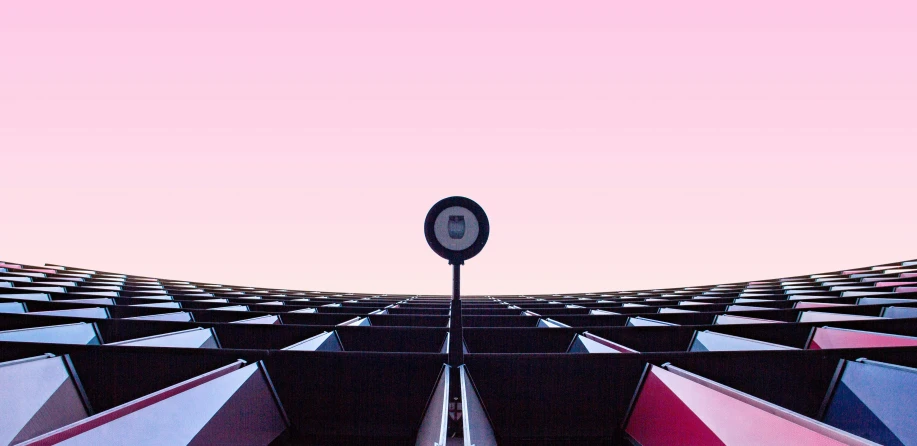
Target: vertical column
(456, 354)
(456, 343)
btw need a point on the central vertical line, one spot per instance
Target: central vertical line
(456, 342)
(456, 352)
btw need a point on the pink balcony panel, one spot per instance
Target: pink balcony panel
(828, 337)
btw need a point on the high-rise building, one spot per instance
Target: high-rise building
(96, 357)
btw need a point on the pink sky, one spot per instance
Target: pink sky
(614, 145)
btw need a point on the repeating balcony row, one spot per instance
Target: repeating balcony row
(358, 336)
(882, 278)
(788, 396)
(218, 310)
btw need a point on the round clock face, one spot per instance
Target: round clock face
(456, 228)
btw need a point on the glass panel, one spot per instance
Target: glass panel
(181, 316)
(194, 338)
(644, 322)
(45, 398)
(435, 420)
(81, 333)
(745, 308)
(717, 342)
(326, 341)
(26, 296)
(899, 312)
(96, 313)
(882, 300)
(724, 319)
(675, 310)
(160, 305)
(12, 307)
(233, 308)
(266, 320)
(305, 310)
(475, 423)
(551, 323)
(206, 413)
(876, 401)
(818, 305)
(102, 301)
(818, 316)
(601, 312)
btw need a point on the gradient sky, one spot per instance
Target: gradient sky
(614, 145)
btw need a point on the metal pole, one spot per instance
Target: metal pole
(456, 352)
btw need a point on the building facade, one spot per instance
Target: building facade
(94, 357)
